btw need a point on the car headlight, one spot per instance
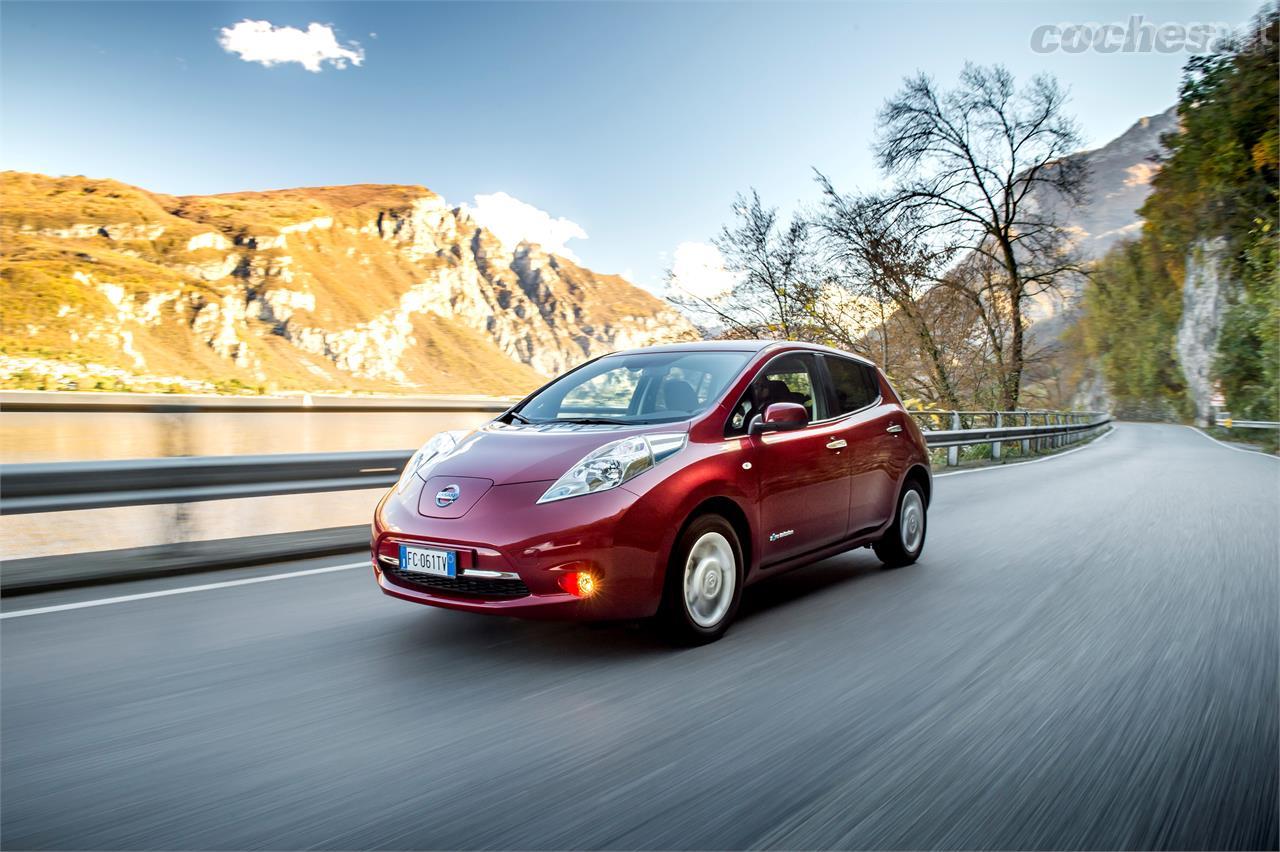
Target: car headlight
(613, 464)
(438, 447)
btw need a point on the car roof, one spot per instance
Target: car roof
(743, 346)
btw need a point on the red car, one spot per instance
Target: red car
(659, 481)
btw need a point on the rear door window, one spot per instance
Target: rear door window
(854, 384)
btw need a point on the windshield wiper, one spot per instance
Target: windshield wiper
(592, 421)
(516, 415)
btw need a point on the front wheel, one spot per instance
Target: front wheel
(704, 582)
(903, 542)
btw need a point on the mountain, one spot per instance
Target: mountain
(364, 288)
(1119, 182)
(1120, 174)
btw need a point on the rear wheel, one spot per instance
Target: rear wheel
(903, 542)
(704, 582)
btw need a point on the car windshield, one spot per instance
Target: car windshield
(646, 387)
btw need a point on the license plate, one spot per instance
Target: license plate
(423, 560)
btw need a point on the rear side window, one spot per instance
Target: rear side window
(854, 384)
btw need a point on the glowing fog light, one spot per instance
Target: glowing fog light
(580, 584)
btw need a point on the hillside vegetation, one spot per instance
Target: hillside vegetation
(1212, 214)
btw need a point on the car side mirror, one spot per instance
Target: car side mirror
(780, 417)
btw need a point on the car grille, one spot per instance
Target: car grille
(463, 586)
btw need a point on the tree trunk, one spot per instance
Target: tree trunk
(1013, 371)
(1012, 384)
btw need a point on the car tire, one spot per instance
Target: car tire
(701, 592)
(903, 542)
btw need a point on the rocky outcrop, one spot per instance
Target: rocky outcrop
(1206, 293)
(1092, 393)
(208, 240)
(117, 231)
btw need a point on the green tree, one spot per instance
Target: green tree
(1218, 180)
(1133, 308)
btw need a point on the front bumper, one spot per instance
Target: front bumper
(512, 550)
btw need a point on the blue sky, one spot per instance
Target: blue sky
(636, 121)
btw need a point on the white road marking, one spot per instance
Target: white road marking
(1092, 443)
(226, 584)
(1204, 434)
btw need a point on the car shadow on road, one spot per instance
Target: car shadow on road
(789, 588)
(533, 643)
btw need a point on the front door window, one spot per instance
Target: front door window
(790, 378)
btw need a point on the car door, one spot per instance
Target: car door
(801, 475)
(871, 426)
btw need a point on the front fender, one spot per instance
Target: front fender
(665, 503)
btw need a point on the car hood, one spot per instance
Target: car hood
(510, 453)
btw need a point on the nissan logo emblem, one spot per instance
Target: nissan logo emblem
(448, 495)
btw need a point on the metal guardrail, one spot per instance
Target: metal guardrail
(65, 486)
(947, 429)
(1232, 423)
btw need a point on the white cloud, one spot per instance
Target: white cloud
(698, 270)
(513, 222)
(261, 41)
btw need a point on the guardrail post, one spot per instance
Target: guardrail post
(995, 445)
(1026, 443)
(177, 444)
(953, 453)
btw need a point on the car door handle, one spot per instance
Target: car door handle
(894, 428)
(837, 444)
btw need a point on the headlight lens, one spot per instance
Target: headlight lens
(613, 464)
(438, 447)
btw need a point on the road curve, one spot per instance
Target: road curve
(1086, 657)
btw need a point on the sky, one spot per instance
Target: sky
(614, 132)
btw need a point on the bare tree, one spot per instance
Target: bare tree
(776, 278)
(986, 166)
(881, 259)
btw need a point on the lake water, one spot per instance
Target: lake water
(81, 436)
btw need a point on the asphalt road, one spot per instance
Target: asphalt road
(1086, 657)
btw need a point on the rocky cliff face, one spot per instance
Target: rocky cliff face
(1206, 293)
(332, 288)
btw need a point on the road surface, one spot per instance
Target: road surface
(1086, 657)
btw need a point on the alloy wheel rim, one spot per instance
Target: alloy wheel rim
(912, 521)
(710, 574)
